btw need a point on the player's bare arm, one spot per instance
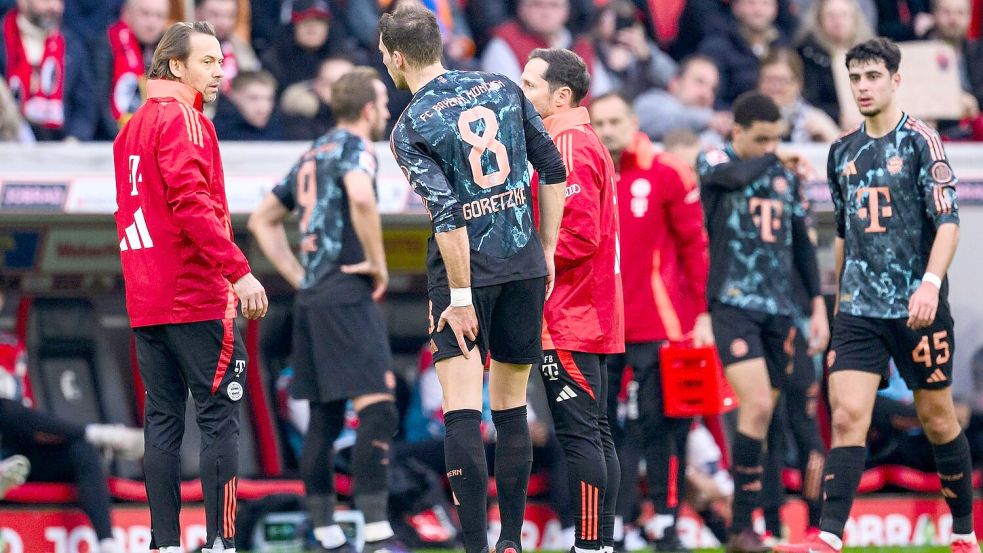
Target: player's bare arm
(838, 255)
(368, 228)
(266, 224)
(455, 249)
(551, 200)
(924, 302)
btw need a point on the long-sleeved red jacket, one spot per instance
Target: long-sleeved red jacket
(586, 311)
(172, 217)
(663, 244)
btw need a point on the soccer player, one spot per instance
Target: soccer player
(756, 223)
(664, 263)
(183, 274)
(897, 228)
(341, 347)
(584, 318)
(465, 143)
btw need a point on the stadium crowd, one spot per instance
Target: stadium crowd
(75, 69)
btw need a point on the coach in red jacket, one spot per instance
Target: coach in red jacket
(584, 317)
(183, 273)
(664, 247)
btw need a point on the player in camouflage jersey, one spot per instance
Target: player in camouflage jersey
(465, 143)
(340, 343)
(897, 229)
(758, 237)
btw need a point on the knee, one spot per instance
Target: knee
(758, 411)
(378, 420)
(847, 421)
(940, 428)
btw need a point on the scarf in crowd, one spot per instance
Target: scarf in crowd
(39, 89)
(230, 67)
(129, 81)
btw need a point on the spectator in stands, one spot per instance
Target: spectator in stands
(309, 39)
(56, 450)
(706, 18)
(248, 111)
(239, 55)
(688, 103)
(952, 20)
(627, 61)
(903, 19)
(13, 128)
(88, 19)
(122, 59)
(538, 24)
(781, 79)
(829, 27)
(739, 50)
(306, 106)
(46, 68)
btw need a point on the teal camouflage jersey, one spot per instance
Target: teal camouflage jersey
(462, 144)
(890, 196)
(315, 185)
(756, 222)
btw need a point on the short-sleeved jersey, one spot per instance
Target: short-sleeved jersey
(315, 185)
(751, 227)
(890, 195)
(461, 143)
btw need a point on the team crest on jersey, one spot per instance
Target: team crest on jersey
(235, 391)
(739, 347)
(779, 184)
(941, 172)
(894, 165)
(716, 157)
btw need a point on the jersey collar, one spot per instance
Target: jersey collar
(566, 120)
(163, 88)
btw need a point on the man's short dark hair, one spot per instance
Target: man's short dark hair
(755, 106)
(690, 60)
(565, 68)
(351, 92)
(875, 50)
(246, 78)
(412, 31)
(613, 95)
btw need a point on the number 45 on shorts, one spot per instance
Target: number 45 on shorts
(936, 350)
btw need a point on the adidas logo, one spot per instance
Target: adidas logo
(937, 376)
(565, 394)
(137, 235)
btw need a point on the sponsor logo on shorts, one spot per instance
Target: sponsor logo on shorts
(240, 366)
(831, 358)
(937, 376)
(550, 368)
(235, 391)
(738, 348)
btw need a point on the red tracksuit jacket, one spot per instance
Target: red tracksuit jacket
(172, 217)
(663, 242)
(586, 311)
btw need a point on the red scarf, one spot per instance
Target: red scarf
(129, 81)
(522, 43)
(39, 89)
(230, 67)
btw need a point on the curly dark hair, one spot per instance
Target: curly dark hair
(875, 50)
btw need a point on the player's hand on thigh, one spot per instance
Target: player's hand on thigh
(463, 322)
(922, 306)
(252, 295)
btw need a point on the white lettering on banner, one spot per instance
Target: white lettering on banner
(10, 541)
(897, 529)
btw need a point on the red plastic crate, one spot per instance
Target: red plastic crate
(693, 382)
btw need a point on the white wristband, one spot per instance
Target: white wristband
(933, 278)
(460, 297)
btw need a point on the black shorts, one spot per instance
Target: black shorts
(510, 322)
(742, 335)
(340, 352)
(576, 388)
(923, 357)
(207, 357)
